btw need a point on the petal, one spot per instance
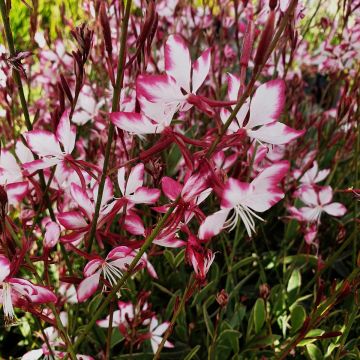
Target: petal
(121, 180)
(87, 287)
(52, 234)
(135, 180)
(177, 61)
(161, 328)
(266, 192)
(233, 87)
(16, 192)
(134, 225)
(213, 224)
(267, 103)
(234, 193)
(275, 134)
(224, 115)
(325, 195)
(23, 153)
(153, 323)
(134, 123)
(39, 164)
(335, 209)
(33, 355)
(43, 295)
(66, 133)
(4, 268)
(170, 187)
(308, 195)
(201, 69)
(92, 266)
(9, 167)
(82, 199)
(43, 143)
(145, 195)
(72, 220)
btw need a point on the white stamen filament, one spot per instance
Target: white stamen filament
(111, 273)
(7, 304)
(246, 215)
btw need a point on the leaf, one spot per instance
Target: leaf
(259, 314)
(310, 334)
(179, 258)
(231, 337)
(314, 352)
(116, 337)
(170, 257)
(293, 286)
(298, 316)
(301, 259)
(208, 322)
(192, 353)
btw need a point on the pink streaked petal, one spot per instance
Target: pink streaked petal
(33, 354)
(43, 143)
(267, 103)
(82, 199)
(224, 115)
(325, 195)
(88, 287)
(170, 187)
(233, 87)
(234, 193)
(4, 268)
(335, 209)
(134, 225)
(213, 224)
(39, 164)
(52, 234)
(108, 193)
(309, 196)
(177, 61)
(66, 133)
(159, 330)
(201, 69)
(92, 266)
(145, 195)
(134, 123)
(265, 192)
(120, 252)
(16, 192)
(121, 179)
(72, 220)
(275, 134)
(135, 179)
(194, 186)
(23, 152)
(158, 89)
(322, 174)
(43, 295)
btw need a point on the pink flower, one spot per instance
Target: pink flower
(112, 268)
(161, 96)
(265, 109)
(317, 201)
(245, 199)
(156, 331)
(13, 289)
(52, 149)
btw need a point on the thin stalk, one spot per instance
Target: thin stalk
(174, 318)
(126, 275)
(62, 330)
(111, 130)
(109, 333)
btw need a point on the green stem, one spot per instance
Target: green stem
(111, 130)
(174, 318)
(127, 275)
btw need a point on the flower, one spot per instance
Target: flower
(245, 199)
(155, 333)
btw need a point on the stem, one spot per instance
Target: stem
(115, 105)
(16, 74)
(173, 319)
(253, 79)
(127, 275)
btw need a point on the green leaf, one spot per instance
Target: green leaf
(259, 314)
(179, 258)
(231, 337)
(314, 352)
(116, 337)
(208, 322)
(293, 286)
(192, 353)
(298, 316)
(311, 333)
(170, 257)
